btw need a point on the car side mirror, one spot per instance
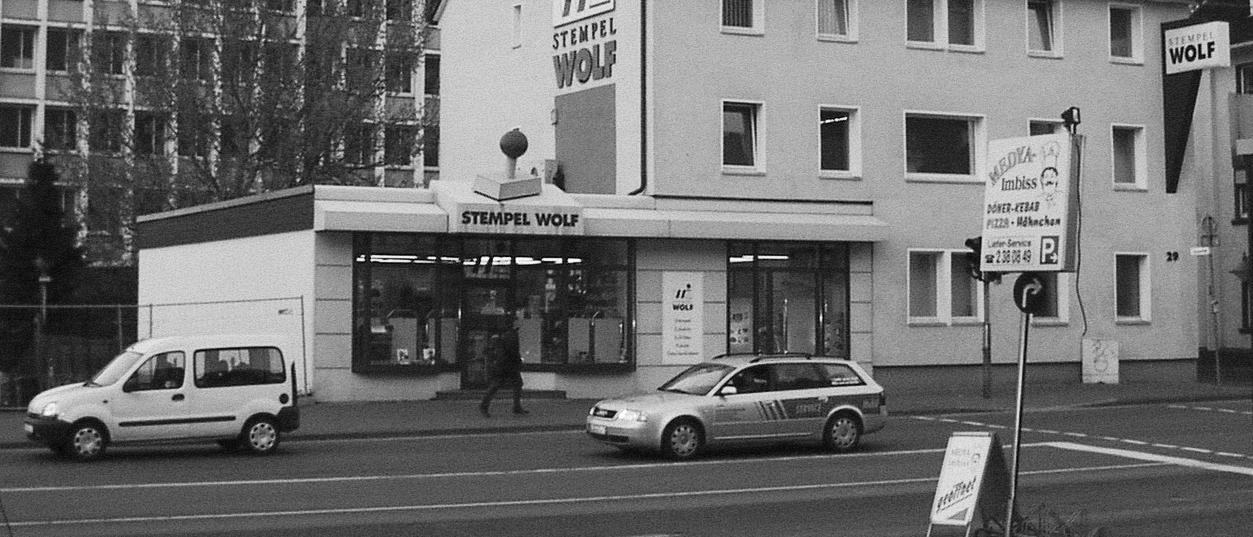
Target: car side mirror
(728, 390)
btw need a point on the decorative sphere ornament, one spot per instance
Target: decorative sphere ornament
(513, 143)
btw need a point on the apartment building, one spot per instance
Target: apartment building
(733, 176)
(51, 49)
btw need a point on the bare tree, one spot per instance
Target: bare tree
(208, 100)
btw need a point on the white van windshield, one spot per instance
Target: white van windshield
(115, 369)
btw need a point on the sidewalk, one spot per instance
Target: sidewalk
(406, 418)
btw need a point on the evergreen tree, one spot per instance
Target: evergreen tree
(38, 230)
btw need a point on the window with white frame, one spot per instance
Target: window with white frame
(1129, 167)
(1131, 281)
(837, 20)
(109, 52)
(1044, 27)
(1040, 127)
(15, 125)
(839, 142)
(1125, 34)
(935, 23)
(149, 133)
(942, 147)
(743, 16)
(941, 290)
(60, 129)
(17, 46)
(741, 141)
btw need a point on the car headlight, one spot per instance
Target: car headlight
(49, 410)
(632, 415)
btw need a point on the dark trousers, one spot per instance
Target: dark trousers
(496, 385)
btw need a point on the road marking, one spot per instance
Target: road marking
(1140, 455)
(1212, 409)
(538, 502)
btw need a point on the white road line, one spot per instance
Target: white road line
(1139, 455)
(1212, 409)
(552, 501)
(1195, 450)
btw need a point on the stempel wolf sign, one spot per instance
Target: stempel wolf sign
(1031, 201)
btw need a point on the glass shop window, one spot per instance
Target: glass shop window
(787, 297)
(399, 321)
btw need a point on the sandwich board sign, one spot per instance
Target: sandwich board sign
(1031, 204)
(973, 487)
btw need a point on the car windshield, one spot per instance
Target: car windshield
(115, 369)
(698, 379)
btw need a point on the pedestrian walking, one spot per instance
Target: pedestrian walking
(504, 367)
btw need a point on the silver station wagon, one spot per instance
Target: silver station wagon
(746, 398)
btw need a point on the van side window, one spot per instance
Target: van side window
(239, 367)
(160, 372)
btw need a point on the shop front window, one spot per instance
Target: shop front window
(424, 303)
(786, 297)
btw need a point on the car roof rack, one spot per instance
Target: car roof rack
(773, 355)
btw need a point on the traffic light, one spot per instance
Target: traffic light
(973, 258)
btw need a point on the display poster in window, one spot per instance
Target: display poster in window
(1030, 204)
(682, 317)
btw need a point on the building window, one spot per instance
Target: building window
(105, 131)
(398, 145)
(360, 73)
(740, 138)
(941, 290)
(359, 144)
(149, 134)
(150, 55)
(941, 147)
(785, 297)
(837, 20)
(959, 23)
(196, 62)
(1128, 153)
(1241, 204)
(17, 46)
(1056, 308)
(399, 74)
(839, 140)
(284, 6)
(399, 10)
(1125, 42)
(430, 68)
(1244, 78)
(62, 49)
(15, 125)
(109, 52)
(60, 129)
(428, 303)
(1039, 127)
(430, 146)
(1132, 287)
(1043, 22)
(743, 16)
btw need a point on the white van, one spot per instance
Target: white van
(237, 390)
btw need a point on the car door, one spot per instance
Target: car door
(750, 413)
(152, 403)
(229, 384)
(804, 394)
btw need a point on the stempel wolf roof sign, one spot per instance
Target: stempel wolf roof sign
(1030, 203)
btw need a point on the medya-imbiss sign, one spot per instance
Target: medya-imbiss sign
(1031, 204)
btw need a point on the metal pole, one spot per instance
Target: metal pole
(987, 340)
(1248, 267)
(43, 321)
(1013, 465)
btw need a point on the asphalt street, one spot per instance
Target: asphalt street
(1155, 469)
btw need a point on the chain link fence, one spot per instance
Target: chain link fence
(52, 345)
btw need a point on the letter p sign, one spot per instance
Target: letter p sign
(1048, 250)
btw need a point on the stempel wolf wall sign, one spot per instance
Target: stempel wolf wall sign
(584, 46)
(1030, 203)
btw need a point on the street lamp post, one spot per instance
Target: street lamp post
(44, 279)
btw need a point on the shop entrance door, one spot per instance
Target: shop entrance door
(487, 314)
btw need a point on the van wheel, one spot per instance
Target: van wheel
(843, 433)
(261, 436)
(86, 442)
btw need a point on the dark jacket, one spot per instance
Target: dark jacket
(504, 360)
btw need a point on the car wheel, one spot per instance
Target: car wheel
(682, 439)
(261, 436)
(843, 432)
(86, 442)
